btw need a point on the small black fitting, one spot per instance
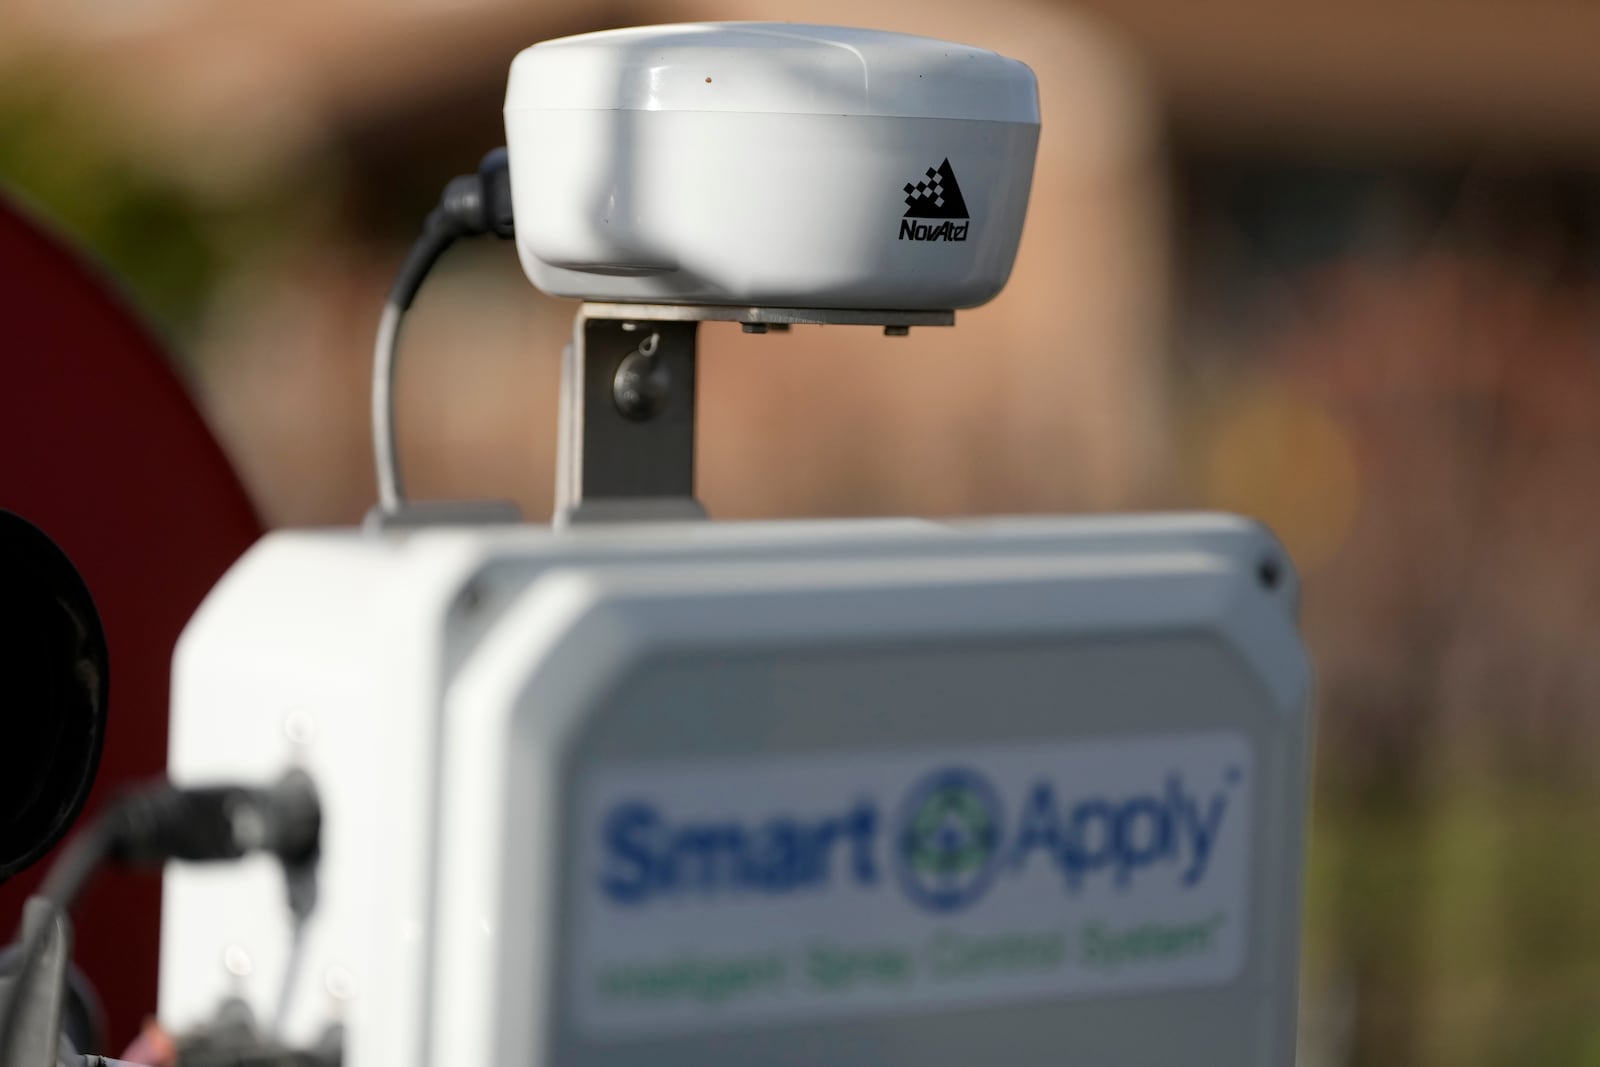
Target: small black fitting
(494, 177)
(475, 204)
(219, 823)
(470, 206)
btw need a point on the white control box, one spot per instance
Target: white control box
(856, 793)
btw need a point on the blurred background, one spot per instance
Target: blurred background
(1333, 265)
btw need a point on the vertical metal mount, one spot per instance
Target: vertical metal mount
(38, 1001)
(626, 447)
(627, 430)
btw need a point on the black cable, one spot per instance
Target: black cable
(164, 823)
(470, 206)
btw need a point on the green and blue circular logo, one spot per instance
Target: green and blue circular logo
(947, 839)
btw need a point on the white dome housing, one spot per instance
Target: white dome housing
(770, 165)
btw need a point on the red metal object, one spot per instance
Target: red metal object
(101, 447)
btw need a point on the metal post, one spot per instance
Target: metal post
(39, 995)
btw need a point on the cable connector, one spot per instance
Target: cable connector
(470, 206)
(218, 823)
(481, 203)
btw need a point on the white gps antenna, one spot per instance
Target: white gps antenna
(766, 174)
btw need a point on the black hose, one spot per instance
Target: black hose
(471, 205)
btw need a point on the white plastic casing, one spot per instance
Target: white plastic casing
(768, 164)
(447, 690)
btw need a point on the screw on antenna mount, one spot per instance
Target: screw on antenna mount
(642, 382)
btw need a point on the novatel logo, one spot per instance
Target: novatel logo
(950, 842)
(936, 196)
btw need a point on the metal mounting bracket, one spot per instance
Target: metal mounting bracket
(627, 423)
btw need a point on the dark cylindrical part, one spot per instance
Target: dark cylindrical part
(53, 688)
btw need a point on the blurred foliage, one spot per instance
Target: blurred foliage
(1396, 367)
(1468, 921)
(170, 243)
